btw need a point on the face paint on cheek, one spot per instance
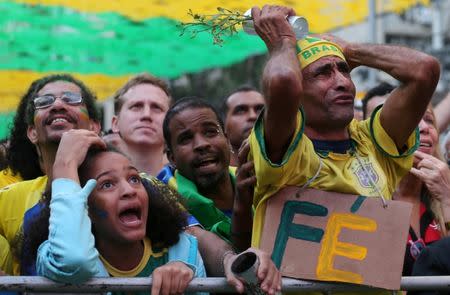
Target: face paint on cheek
(35, 118)
(103, 214)
(84, 114)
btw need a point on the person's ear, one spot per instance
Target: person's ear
(94, 126)
(170, 157)
(32, 134)
(115, 124)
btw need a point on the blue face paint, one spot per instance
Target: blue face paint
(99, 212)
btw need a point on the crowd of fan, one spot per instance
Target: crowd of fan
(176, 190)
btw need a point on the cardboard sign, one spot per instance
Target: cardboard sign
(330, 236)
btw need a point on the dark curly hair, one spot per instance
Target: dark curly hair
(165, 221)
(21, 156)
(3, 148)
(166, 218)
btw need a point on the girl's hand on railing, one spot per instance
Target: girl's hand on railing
(171, 278)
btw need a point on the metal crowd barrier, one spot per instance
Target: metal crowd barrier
(216, 285)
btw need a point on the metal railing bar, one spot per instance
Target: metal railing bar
(217, 285)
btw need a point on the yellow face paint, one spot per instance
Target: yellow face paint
(311, 49)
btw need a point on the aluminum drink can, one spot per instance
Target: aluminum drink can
(299, 25)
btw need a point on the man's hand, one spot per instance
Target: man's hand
(245, 176)
(281, 80)
(171, 278)
(272, 26)
(344, 45)
(242, 219)
(268, 275)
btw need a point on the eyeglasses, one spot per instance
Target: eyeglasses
(416, 247)
(44, 101)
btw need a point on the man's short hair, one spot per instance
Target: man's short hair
(380, 90)
(242, 88)
(143, 78)
(186, 103)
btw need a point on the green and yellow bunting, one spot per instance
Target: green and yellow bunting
(104, 42)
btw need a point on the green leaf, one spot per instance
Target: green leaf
(220, 24)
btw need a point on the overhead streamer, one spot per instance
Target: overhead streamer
(104, 42)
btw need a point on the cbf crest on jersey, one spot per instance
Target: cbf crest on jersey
(366, 174)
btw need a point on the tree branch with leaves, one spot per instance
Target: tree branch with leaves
(223, 23)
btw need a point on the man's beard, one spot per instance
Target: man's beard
(208, 182)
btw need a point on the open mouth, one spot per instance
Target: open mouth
(426, 147)
(131, 216)
(59, 120)
(56, 120)
(206, 165)
(206, 162)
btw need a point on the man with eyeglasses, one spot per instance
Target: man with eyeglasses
(52, 105)
(18, 170)
(46, 100)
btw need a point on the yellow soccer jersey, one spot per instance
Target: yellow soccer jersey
(15, 200)
(149, 262)
(7, 177)
(5, 256)
(373, 159)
